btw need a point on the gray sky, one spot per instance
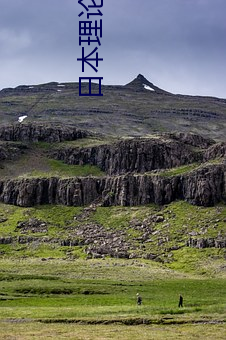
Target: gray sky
(179, 45)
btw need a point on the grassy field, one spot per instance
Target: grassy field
(37, 331)
(96, 299)
(60, 169)
(52, 291)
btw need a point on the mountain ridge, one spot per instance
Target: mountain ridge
(138, 108)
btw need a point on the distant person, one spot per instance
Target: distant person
(180, 301)
(139, 299)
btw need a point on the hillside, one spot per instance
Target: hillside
(67, 156)
(101, 198)
(137, 109)
(82, 193)
(129, 172)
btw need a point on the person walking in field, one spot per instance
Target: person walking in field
(180, 301)
(139, 299)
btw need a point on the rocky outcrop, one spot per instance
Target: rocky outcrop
(125, 163)
(11, 151)
(6, 240)
(37, 240)
(98, 241)
(191, 139)
(201, 243)
(29, 192)
(205, 186)
(215, 151)
(144, 155)
(33, 225)
(36, 133)
(137, 155)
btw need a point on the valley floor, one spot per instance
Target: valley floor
(36, 331)
(96, 299)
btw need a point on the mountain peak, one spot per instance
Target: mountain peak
(140, 83)
(141, 77)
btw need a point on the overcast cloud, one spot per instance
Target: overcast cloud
(180, 45)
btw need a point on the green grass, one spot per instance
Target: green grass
(119, 217)
(12, 215)
(184, 169)
(203, 261)
(37, 163)
(60, 169)
(55, 216)
(78, 143)
(87, 142)
(67, 291)
(36, 331)
(47, 283)
(182, 221)
(180, 170)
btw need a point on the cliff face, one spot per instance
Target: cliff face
(35, 133)
(204, 187)
(191, 139)
(215, 151)
(131, 155)
(125, 163)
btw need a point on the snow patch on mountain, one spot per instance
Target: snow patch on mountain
(21, 118)
(148, 87)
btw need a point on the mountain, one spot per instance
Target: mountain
(140, 83)
(103, 197)
(138, 108)
(139, 172)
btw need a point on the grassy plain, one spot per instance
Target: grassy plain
(96, 299)
(38, 331)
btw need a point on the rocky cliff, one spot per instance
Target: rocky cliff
(191, 139)
(215, 151)
(133, 167)
(132, 155)
(205, 186)
(11, 151)
(37, 132)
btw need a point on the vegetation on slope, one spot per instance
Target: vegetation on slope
(177, 224)
(35, 162)
(57, 286)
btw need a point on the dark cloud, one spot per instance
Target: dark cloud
(177, 44)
